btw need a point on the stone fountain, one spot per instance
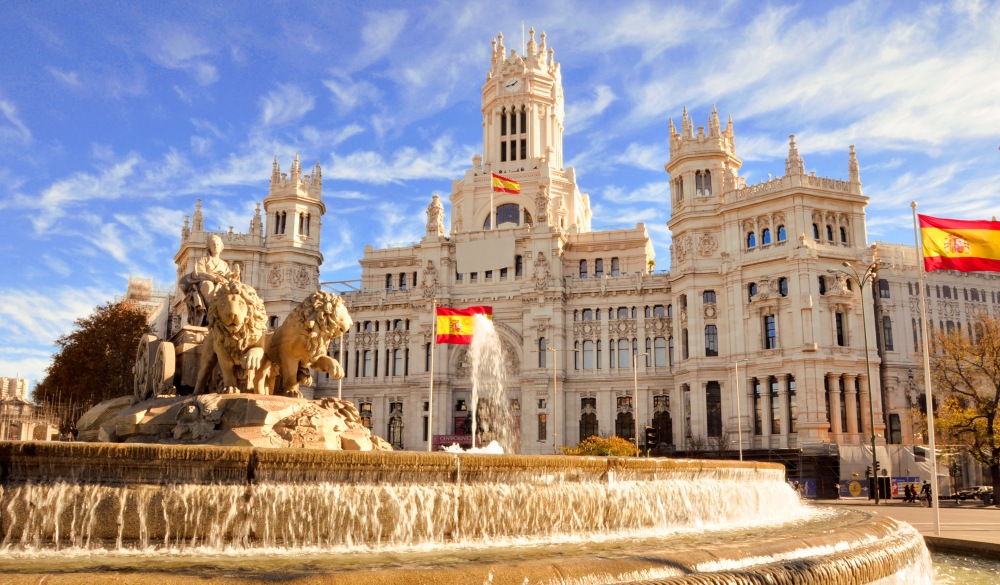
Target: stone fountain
(406, 517)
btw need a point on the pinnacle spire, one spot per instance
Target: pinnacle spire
(794, 165)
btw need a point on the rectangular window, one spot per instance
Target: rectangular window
(839, 323)
(543, 431)
(503, 151)
(792, 406)
(367, 363)
(542, 350)
(624, 360)
(883, 288)
(518, 265)
(887, 332)
(770, 332)
(713, 407)
(503, 273)
(709, 297)
(524, 148)
(684, 345)
(615, 267)
(775, 408)
(758, 427)
(711, 341)
(397, 362)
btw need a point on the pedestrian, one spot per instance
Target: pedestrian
(907, 493)
(926, 490)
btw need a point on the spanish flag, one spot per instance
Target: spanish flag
(455, 325)
(955, 244)
(505, 185)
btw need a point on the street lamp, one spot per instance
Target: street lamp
(863, 280)
(635, 396)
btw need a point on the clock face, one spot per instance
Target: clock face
(512, 85)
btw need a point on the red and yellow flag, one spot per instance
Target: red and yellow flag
(505, 185)
(956, 244)
(455, 325)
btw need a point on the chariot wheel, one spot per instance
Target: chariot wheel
(143, 365)
(161, 378)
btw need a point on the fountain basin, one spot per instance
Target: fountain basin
(405, 517)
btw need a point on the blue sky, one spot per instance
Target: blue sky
(116, 116)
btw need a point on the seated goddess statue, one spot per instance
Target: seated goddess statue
(199, 286)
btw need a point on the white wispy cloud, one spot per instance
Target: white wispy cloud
(347, 93)
(284, 104)
(444, 160)
(177, 47)
(655, 192)
(651, 157)
(69, 78)
(12, 128)
(580, 112)
(379, 35)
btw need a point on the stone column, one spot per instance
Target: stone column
(866, 427)
(783, 406)
(765, 411)
(833, 382)
(851, 398)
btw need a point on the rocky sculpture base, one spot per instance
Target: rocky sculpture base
(243, 420)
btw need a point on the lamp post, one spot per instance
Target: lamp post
(863, 280)
(635, 396)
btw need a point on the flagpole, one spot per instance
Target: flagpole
(928, 394)
(430, 400)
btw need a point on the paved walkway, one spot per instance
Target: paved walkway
(967, 526)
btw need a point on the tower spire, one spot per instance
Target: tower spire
(853, 169)
(794, 165)
(713, 122)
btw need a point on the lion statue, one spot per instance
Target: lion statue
(237, 321)
(303, 339)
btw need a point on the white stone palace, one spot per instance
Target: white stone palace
(753, 340)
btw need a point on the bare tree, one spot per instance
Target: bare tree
(966, 378)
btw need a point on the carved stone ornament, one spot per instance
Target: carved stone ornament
(301, 277)
(274, 276)
(710, 311)
(542, 206)
(708, 244)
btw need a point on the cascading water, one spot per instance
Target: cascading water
(491, 412)
(459, 517)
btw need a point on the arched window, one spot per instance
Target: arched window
(751, 240)
(402, 281)
(765, 237)
(815, 231)
(708, 183)
(615, 267)
(670, 310)
(782, 234)
(751, 291)
(503, 123)
(588, 418)
(599, 267)
(388, 282)
(583, 269)
(783, 286)
(506, 213)
(843, 235)
(829, 233)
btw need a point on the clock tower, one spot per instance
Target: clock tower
(523, 141)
